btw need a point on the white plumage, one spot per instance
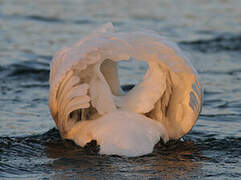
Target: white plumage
(87, 102)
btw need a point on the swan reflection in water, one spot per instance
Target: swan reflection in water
(173, 160)
(87, 103)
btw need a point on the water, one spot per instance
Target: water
(32, 31)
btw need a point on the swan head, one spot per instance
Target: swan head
(87, 102)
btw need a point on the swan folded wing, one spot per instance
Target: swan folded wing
(101, 96)
(142, 98)
(79, 89)
(58, 59)
(74, 98)
(184, 106)
(65, 59)
(71, 95)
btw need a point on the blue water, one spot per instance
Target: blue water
(32, 31)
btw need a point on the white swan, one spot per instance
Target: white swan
(87, 103)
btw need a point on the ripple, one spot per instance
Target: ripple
(26, 69)
(38, 154)
(217, 44)
(38, 18)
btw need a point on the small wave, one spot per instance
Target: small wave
(45, 19)
(48, 153)
(21, 70)
(57, 20)
(217, 44)
(26, 69)
(53, 137)
(36, 143)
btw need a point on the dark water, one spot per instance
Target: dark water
(30, 33)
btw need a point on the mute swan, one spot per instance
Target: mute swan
(87, 102)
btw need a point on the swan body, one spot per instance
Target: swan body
(87, 102)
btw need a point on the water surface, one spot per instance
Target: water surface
(32, 31)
